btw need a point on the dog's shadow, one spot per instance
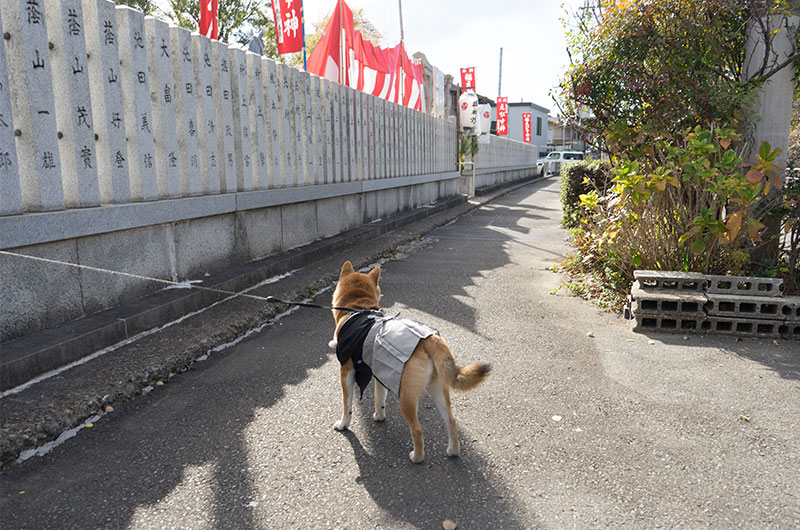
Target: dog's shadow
(462, 489)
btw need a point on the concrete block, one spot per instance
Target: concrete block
(670, 280)
(137, 108)
(36, 294)
(740, 306)
(790, 330)
(186, 91)
(260, 232)
(223, 109)
(742, 327)
(208, 145)
(164, 119)
(664, 302)
(105, 87)
(11, 198)
(112, 251)
(204, 245)
(299, 224)
(745, 285)
(31, 80)
(648, 323)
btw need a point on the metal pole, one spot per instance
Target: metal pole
(341, 46)
(303, 29)
(403, 44)
(402, 36)
(500, 75)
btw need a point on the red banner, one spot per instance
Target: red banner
(526, 127)
(288, 25)
(384, 72)
(502, 117)
(468, 77)
(209, 19)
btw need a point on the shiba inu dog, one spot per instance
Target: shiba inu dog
(430, 367)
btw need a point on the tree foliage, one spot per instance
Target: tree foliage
(239, 20)
(663, 64)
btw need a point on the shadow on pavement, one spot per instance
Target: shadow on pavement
(424, 495)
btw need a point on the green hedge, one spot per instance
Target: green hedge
(577, 178)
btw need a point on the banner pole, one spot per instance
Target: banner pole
(303, 29)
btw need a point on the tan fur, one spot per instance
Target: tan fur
(431, 367)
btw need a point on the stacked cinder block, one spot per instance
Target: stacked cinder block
(683, 302)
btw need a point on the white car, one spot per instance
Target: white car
(552, 162)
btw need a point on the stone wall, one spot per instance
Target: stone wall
(132, 145)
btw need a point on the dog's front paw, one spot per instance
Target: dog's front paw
(453, 452)
(417, 460)
(341, 425)
(379, 417)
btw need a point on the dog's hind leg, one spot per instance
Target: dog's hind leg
(408, 407)
(347, 376)
(441, 398)
(380, 402)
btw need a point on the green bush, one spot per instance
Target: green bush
(578, 178)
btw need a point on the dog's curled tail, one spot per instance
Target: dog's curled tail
(455, 376)
(470, 376)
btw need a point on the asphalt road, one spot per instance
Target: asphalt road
(569, 430)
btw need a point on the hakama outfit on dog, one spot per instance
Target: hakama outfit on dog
(379, 346)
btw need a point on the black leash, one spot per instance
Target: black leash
(274, 300)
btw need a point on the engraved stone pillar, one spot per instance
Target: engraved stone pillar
(303, 83)
(316, 112)
(255, 101)
(207, 125)
(137, 116)
(106, 95)
(241, 119)
(31, 90)
(327, 124)
(223, 110)
(193, 180)
(274, 130)
(10, 193)
(162, 98)
(290, 124)
(352, 138)
(336, 126)
(73, 105)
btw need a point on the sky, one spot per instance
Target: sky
(460, 33)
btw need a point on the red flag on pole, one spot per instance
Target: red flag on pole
(209, 19)
(502, 116)
(526, 127)
(288, 25)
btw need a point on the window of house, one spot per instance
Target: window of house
(538, 126)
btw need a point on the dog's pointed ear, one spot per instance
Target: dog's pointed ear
(347, 268)
(375, 274)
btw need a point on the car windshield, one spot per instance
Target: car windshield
(573, 156)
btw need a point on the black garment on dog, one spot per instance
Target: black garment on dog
(350, 344)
